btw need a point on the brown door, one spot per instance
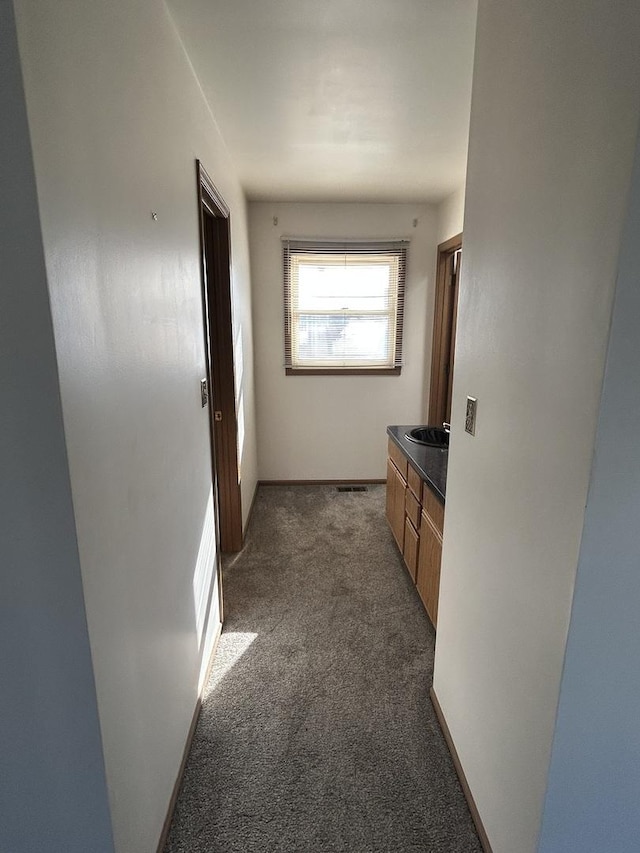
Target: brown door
(444, 330)
(218, 330)
(454, 278)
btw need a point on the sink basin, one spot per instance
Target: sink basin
(430, 436)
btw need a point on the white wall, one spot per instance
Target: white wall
(334, 427)
(594, 780)
(52, 785)
(450, 215)
(117, 119)
(554, 115)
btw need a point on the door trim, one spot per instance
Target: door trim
(443, 321)
(217, 304)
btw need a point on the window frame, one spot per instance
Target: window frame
(293, 246)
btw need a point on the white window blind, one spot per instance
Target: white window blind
(344, 305)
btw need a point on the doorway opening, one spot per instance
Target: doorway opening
(215, 249)
(444, 329)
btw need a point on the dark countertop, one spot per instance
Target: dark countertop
(429, 462)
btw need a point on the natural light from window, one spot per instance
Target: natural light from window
(345, 312)
(343, 309)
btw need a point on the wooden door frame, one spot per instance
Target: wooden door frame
(443, 318)
(217, 306)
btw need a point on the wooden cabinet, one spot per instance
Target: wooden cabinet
(398, 458)
(428, 571)
(416, 518)
(412, 508)
(410, 550)
(414, 481)
(395, 502)
(433, 508)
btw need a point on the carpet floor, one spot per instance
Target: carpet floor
(317, 733)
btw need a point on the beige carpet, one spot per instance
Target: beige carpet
(317, 733)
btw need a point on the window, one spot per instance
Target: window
(344, 306)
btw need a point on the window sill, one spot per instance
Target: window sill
(343, 371)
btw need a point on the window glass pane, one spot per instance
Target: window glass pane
(354, 287)
(344, 308)
(327, 338)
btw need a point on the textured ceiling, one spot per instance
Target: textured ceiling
(341, 100)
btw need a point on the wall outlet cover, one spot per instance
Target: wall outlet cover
(470, 416)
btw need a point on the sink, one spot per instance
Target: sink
(431, 436)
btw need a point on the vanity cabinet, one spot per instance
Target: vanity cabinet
(410, 549)
(416, 518)
(396, 486)
(428, 573)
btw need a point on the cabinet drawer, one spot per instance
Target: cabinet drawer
(412, 507)
(433, 508)
(414, 481)
(398, 458)
(410, 550)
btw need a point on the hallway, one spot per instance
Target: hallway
(317, 732)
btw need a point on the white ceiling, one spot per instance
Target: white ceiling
(337, 100)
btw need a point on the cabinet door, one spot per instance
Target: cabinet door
(428, 577)
(410, 551)
(395, 503)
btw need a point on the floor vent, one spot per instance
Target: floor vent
(352, 489)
